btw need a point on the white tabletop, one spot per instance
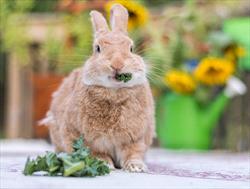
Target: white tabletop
(167, 169)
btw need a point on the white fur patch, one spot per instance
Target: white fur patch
(105, 81)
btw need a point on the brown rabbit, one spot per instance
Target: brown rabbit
(116, 118)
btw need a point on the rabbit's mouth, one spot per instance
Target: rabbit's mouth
(121, 77)
(125, 77)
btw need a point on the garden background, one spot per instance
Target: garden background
(43, 41)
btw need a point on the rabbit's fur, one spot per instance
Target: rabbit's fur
(115, 118)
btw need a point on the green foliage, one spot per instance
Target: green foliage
(12, 27)
(80, 33)
(52, 49)
(44, 5)
(157, 56)
(61, 57)
(178, 54)
(158, 3)
(79, 163)
(179, 36)
(125, 77)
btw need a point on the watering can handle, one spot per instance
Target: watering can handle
(235, 87)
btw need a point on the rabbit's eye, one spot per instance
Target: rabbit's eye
(131, 49)
(97, 48)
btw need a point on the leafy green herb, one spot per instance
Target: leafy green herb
(79, 163)
(125, 77)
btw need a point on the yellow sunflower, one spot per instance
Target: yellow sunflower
(138, 14)
(180, 81)
(213, 71)
(240, 51)
(235, 52)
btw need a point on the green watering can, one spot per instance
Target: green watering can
(183, 124)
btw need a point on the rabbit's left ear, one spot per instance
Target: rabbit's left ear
(119, 18)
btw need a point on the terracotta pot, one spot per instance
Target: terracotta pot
(43, 87)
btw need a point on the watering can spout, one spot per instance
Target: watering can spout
(212, 113)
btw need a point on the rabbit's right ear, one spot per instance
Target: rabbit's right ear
(119, 18)
(98, 22)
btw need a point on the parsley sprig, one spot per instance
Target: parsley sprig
(79, 163)
(125, 77)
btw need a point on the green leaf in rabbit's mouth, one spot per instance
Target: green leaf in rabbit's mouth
(125, 77)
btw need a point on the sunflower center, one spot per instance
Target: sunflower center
(182, 86)
(213, 71)
(132, 15)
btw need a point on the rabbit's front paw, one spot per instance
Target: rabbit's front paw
(111, 166)
(134, 165)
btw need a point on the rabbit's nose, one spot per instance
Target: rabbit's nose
(117, 65)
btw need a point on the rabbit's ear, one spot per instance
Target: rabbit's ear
(119, 18)
(98, 22)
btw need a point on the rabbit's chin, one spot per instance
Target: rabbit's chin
(111, 82)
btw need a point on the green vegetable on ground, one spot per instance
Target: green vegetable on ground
(125, 77)
(79, 163)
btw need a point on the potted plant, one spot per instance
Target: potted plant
(182, 120)
(193, 74)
